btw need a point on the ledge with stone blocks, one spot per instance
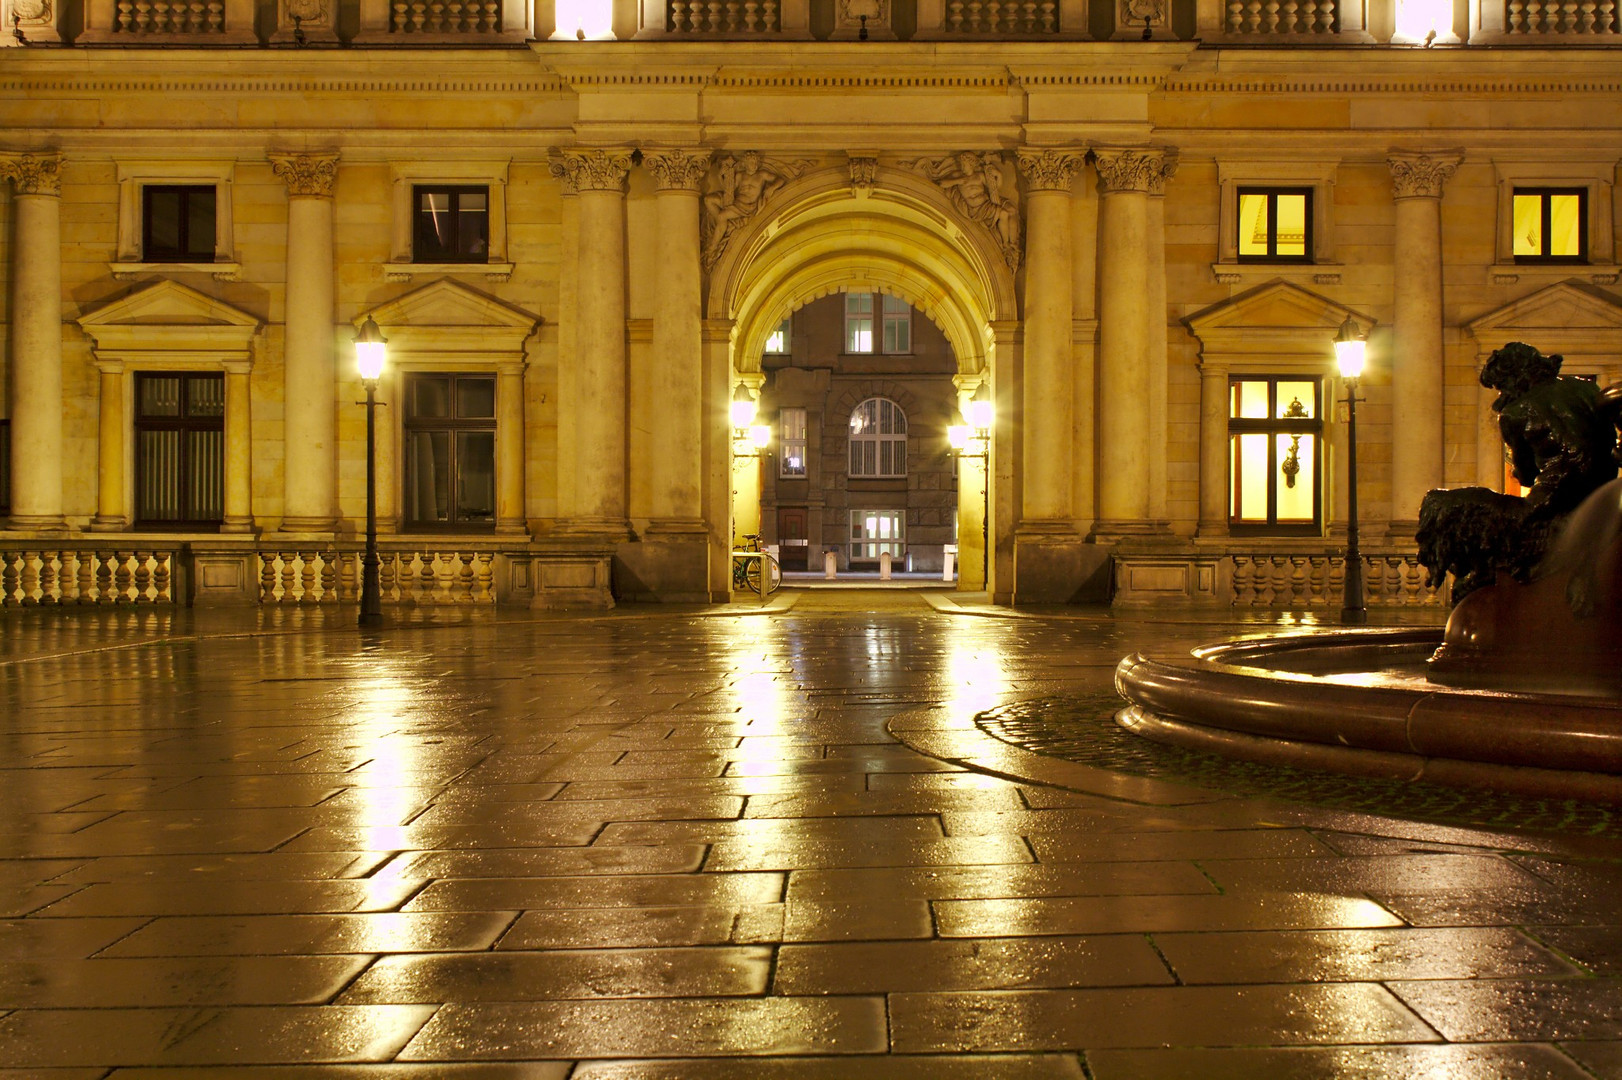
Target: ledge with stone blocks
(1268, 577)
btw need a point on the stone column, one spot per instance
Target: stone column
(1158, 424)
(599, 371)
(510, 519)
(677, 555)
(1416, 352)
(36, 342)
(1213, 451)
(238, 449)
(309, 360)
(112, 509)
(1124, 357)
(568, 335)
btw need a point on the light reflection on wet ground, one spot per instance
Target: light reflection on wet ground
(257, 838)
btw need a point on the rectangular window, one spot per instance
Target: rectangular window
(179, 450)
(875, 531)
(5, 467)
(791, 436)
(897, 325)
(450, 451)
(778, 343)
(858, 322)
(1275, 435)
(1551, 225)
(1275, 224)
(177, 223)
(452, 224)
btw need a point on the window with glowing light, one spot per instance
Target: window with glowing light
(450, 451)
(791, 440)
(451, 224)
(585, 20)
(1275, 224)
(778, 343)
(878, 439)
(179, 450)
(1551, 225)
(876, 531)
(894, 323)
(1275, 439)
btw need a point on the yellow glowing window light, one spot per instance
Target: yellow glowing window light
(1273, 452)
(1275, 223)
(1423, 20)
(585, 20)
(1550, 223)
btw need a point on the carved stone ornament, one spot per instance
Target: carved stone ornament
(849, 15)
(864, 172)
(314, 12)
(562, 176)
(1131, 170)
(743, 184)
(677, 170)
(1421, 176)
(306, 174)
(973, 181)
(1138, 13)
(596, 170)
(33, 174)
(31, 11)
(1050, 170)
(1167, 170)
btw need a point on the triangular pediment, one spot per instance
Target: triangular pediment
(1277, 305)
(446, 303)
(1557, 309)
(166, 303)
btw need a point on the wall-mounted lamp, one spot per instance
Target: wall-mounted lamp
(748, 437)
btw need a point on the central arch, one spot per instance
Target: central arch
(822, 234)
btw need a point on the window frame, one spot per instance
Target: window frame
(419, 222)
(133, 178)
(1274, 426)
(878, 439)
(898, 542)
(410, 424)
(879, 320)
(1319, 176)
(183, 423)
(185, 192)
(1272, 193)
(407, 176)
(785, 443)
(1543, 193)
(1596, 176)
(786, 329)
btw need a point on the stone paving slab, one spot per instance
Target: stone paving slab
(673, 845)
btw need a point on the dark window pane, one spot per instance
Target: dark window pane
(205, 395)
(476, 398)
(428, 497)
(476, 475)
(177, 223)
(163, 224)
(159, 487)
(452, 224)
(200, 224)
(205, 475)
(431, 397)
(158, 395)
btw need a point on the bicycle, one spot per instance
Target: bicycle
(750, 564)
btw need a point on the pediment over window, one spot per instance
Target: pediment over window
(1278, 318)
(168, 317)
(454, 321)
(1567, 317)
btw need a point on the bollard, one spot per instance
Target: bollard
(884, 566)
(830, 565)
(949, 563)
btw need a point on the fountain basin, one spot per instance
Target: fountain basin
(1358, 702)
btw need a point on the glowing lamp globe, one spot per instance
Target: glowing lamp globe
(371, 350)
(1350, 349)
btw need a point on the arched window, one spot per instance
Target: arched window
(878, 439)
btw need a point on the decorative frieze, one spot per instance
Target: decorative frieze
(1421, 176)
(1137, 169)
(593, 170)
(973, 181)
(1050, 170)
(677, 170)
(743, 184)
(33, 174)
(307, 174)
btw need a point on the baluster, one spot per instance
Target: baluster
(140, 576)
(464, 583)
(1253, 16)
(427, 577)
(162, 576)
(769, 19)
(67, 577)
(329, 577)
(1585, 17)
(385, 574)
(1286, 18)
(122, 575)
(8, 577)
(444, 578)
(954, 16)
(971, 15)
(1605, 21)
(1298, 580)
(751, 17)
(1326, 16)
(49, 582)
(1270, 17)
(28, 580)
(484, 572)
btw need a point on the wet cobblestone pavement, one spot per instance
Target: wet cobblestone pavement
(774, 847)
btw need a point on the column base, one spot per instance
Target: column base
(1115, 532)
(100, 524)
(38, 523)
(1397, 533)
(565, 577)
(603, 530)
(308, 525)
(670, 565)
(1053, 564)
(517, 527)
(234, 525)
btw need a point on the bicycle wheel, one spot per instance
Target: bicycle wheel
(751, 574)
(774, 574)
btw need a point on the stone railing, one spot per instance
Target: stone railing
(1304, 581)
(86, 574)
(1541, 19)
(1020, 18)
(732, 17)
(1271, 18)
(325, 576)
(168, 22)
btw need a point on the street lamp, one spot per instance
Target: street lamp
(1349, 352)
(972, 439)
(748, 437)
(371, 349)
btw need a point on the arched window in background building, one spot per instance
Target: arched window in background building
(878, 439)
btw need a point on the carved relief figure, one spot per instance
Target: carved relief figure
(973, 181)
(743, 184)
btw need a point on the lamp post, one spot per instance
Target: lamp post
(976, 431)
(1349, 351)
(370, 352)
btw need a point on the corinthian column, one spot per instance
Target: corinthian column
(36, 341)
(1125, 407)
(598, 403)
(675, 447)
(1156, 328)
(1416, 355)
(309, 357)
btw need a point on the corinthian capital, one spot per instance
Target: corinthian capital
(1050, 170)
(1168, 169)
(594, 170)
(1135, 169)
(306, 174)
(677, 170)
(1421, 176)
(33, 174)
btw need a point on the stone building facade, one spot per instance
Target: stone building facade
(1141, 225)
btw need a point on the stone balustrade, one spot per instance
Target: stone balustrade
(1542, 19)
(1303, 582)
(85, 574)
(728, 17)
(316, 576)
